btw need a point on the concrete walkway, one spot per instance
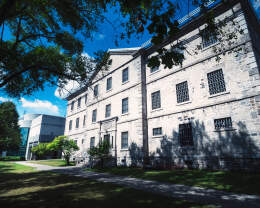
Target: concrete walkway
(204, 196)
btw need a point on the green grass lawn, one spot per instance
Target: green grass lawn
(11, 167)
(56, 162)
(19, 189)
(238, 182)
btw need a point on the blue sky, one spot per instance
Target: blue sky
(46, 102)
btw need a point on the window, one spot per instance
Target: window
(94, 115)
(125, 105)
(156, 100)
(157, 131)
(77, 123)
(108, 110)
(84, 120)
(223, 123)
(72, 106)
(182, 92)
(124, 140)
(86, 98)
(96, 91)
(109, 83)
(208, 39)
(154, 69)
(82, 141)
(185, 134)
(76, 141)
(216, 82)
(92, 142)
(79, 102)
(70, 125)
(125, 75)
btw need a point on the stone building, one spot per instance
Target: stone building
(204, 113)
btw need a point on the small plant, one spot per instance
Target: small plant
(102, 151)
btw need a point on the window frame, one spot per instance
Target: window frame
(95, 90)
(125, 99)
(109, 80)
(124, 147)
(227, 120)
(182, 98)
(77, 123)
(92, 142)
(155, 133)
(123, 75)
(187, 135)
(79, 102)
(211, 84)
(84, 120)
(206, 43)
(152, 96)
(70, 125)
(72, 105)
(94, 120)
(108, 111)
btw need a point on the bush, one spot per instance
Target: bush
(12, 158)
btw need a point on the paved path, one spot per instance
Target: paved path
(204, 196)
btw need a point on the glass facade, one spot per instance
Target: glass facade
(24, 133)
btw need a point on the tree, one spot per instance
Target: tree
(10, 137)
(102, 151)
(40, 150)
(64, 145)
(45, 48)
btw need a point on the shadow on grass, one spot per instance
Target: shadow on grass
(46, 189)
(238, 182)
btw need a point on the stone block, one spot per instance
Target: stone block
(253, 71)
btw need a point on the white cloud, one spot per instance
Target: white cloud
(40, 106)
(2, 99)
(71, 87)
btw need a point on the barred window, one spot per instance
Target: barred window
(92, 142)
(156, 100)
(70, 125)
(185, 134)
(86, 98)
(216, 82)
(96, 91)
(84, 120)
(109, 83)
(125, 75)
(208, 39)
(94, 115)
(77, 123)
(157, 131)
(108, 110)
(124, 140)
(182, 92)
(223, 123)
(72, 106)
(154, 69)
(79, 102)
(124, 105)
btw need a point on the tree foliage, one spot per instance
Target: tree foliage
(40, 150)
(45, 46)
(10, 136)
(64, 145)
